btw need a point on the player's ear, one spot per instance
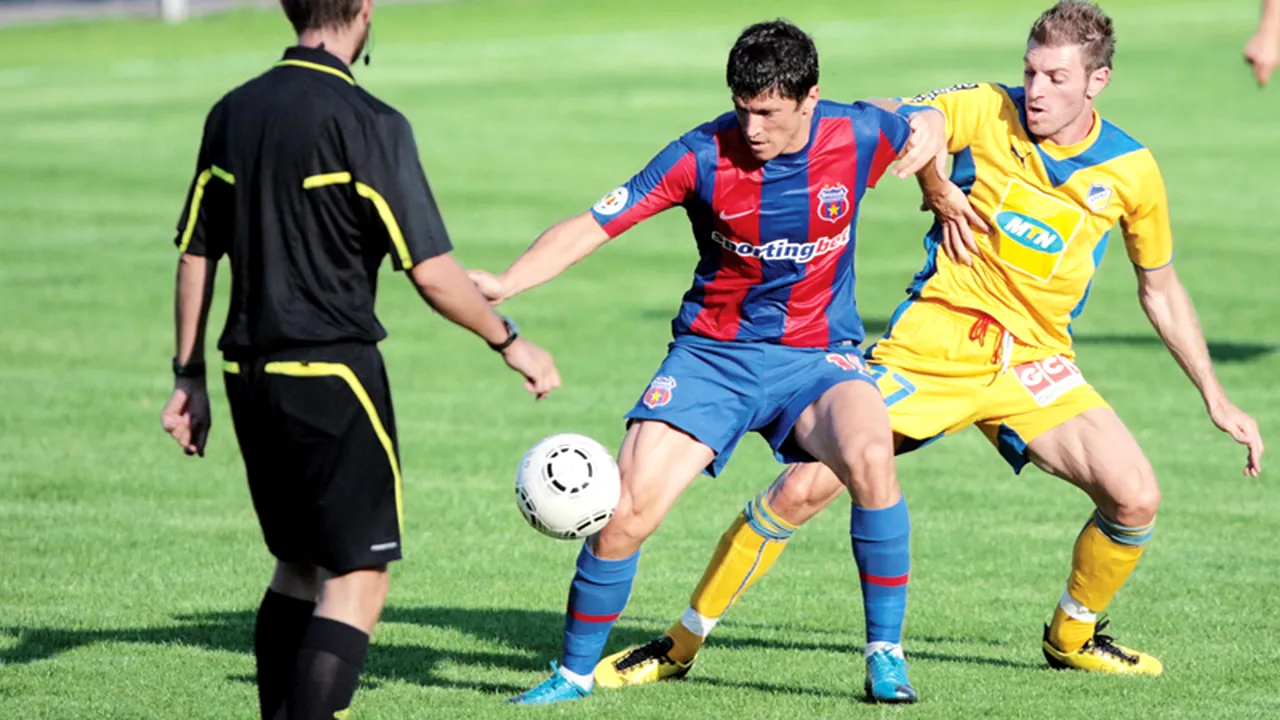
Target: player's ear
(810, 100)
(1098, 80)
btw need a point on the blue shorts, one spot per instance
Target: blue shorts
(719, 391)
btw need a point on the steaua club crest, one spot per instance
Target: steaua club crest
(833, 202)
(659, 392)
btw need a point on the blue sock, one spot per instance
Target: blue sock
(599, 592)
(882, 549)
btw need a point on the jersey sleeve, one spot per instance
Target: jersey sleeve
(205, 220)
(967, 107)
(400, 200)
(668, 179)
(1147, 235)
(880, 137)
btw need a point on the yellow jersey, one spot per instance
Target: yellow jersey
(1051, 209)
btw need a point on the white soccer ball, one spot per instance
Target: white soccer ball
(567, 486)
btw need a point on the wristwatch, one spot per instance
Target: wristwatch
(513, 332)
(193, 369)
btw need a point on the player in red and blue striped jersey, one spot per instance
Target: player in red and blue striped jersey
(776, 238)
(767, 338)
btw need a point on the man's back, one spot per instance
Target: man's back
(306, 181)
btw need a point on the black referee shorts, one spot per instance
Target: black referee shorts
(318, 437)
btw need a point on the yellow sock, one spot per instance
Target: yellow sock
(686, 643)
(744, 554)
(1104, 556)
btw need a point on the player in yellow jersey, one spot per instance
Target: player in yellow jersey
(984, 338)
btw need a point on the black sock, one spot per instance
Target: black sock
(282, 620)
(328, 670)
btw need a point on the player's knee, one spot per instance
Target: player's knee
(870, 471)
(627, 530)
(873, 460)
(803, 491)
(1136, 497)
(1146, 502)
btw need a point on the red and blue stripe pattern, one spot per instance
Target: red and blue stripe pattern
(776, 240)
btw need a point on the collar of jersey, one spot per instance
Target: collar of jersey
(1062, 152)
(318, 60)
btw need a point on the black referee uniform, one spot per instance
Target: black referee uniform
(305, 181)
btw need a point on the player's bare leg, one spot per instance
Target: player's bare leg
(1095, 452)
(656, 463)
(848, 430)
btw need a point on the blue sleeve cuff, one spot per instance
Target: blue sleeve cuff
(908, 110)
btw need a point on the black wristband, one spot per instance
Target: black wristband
(513, 332)
(193, 369)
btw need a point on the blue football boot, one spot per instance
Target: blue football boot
(554, 689)
(887, 679)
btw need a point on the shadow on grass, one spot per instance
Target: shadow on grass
(771, 688)
(526, 640)
(839, 640)
(233, 632)
(1220, 350)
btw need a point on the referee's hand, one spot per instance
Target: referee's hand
(186, 416)
(1262, 53)
(535, 364)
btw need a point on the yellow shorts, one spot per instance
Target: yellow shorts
(942, 369)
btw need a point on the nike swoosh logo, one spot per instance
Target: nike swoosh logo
(735, 216)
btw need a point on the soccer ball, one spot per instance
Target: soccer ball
(567, 486)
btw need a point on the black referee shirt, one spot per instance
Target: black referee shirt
(306, 181)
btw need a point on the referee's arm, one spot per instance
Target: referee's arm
(419, 244)
(199, 239)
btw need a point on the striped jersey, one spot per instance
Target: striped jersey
(775, 239)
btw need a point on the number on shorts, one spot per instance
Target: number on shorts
(906, 389)
(845, 361)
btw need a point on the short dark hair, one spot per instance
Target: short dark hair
(318, 14)
(772, 56)
(1074, 22)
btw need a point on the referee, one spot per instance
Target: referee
(305, 182)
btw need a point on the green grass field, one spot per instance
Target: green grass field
(129, 574)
